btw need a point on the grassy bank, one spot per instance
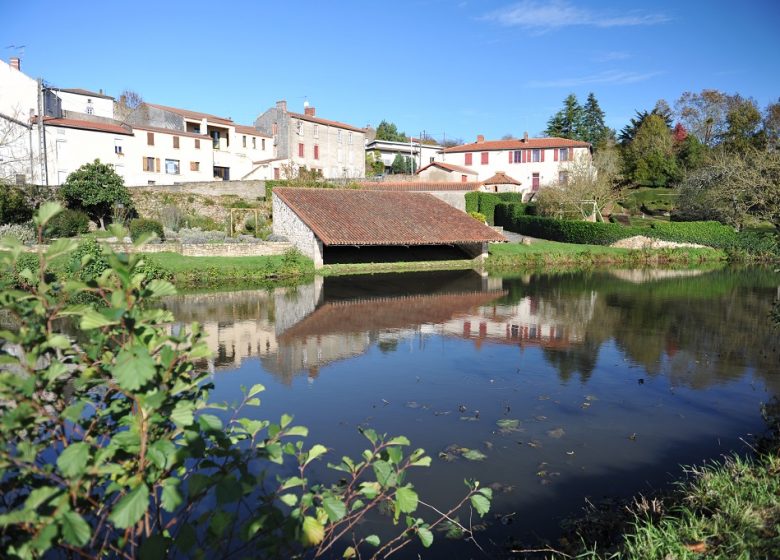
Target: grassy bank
(513, 255)
(218, 272)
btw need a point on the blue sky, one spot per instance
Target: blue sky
(457, 67)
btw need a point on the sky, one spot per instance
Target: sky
(452, 69)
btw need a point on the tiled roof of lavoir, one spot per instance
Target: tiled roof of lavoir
(529, 144)
(360, 217)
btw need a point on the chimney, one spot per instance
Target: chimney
(525, 136)
(15, 63)
(282, 105)
(309, 111)
(480, 139)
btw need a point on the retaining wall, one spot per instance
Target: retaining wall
(250, 190)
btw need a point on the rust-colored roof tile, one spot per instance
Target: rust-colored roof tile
(419, 186)
(449, 167)
(363, 217)
(531, 143)
(501, 178)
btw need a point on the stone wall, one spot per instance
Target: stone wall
(215, 249)
(456, 199)
(249, 190)
(287, 223)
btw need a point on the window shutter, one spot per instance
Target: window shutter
(542, 159)
(555, 154)
(157, 164)
(510, 156)
(524, 156)
(143, 163)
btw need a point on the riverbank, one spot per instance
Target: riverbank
(722, 510)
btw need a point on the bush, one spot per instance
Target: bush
(14, 206)
(95, 188)
(477, 216)
(485, 203)
(513, 218)
(202, 222)
(140, 226)
(91, 267)
(472, 202)
(23, 233)
(68, 223)
(710, 233)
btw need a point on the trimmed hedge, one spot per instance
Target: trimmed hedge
(513, 217)
(68, 223)
(472, 202)
(485, 203)
(139, 226)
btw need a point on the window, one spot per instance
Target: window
(485, 158)
(244, 141)
(262, 144)
(349, 138)
(196, 128)
(148, 164)
(254, 143)
(300, 128)
(215, 139)
(276, 173)
(150, 138)
(432, 160)
(563, 178)
(194, 166)
(564, 154)
(172, 166)
(300, 150)
(536, 155)
(338, 136)
(275, 129)
(517, 156)
(118, 147)
(467, 159)
(151, 183)
(316, 151)
(316, 131)
(90, 110)
(197, 143)
(535, 182)
(464, 178)
(176, 142)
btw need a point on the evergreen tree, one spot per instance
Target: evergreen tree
(593, 128)
(389, 131)
(567, 123)
(649, 159)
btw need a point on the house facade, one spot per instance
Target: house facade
(447, 172)
(335, 149)
(534, 162)
(422, 154)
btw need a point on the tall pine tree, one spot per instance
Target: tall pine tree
(567, 123)
(593, 128)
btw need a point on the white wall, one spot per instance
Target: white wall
(18, 100)
(70, 148)
(79, 103)
(138, 148)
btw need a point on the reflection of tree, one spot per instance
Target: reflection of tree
(387, 346)
(580, 359)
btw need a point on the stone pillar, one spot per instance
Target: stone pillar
(317, 254)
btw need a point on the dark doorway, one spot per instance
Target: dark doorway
(391, 253)
(222, 173)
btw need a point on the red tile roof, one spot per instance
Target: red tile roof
(501, 178)
(94, 126)
(449, 167)
(363, 217)
(387, 313)
(531, 143)
(419, 186)
(172, 131)
(243, 129)
(195, 115)
(326, 122)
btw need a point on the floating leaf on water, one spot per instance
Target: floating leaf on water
(633, 436)
(585, 405)
(591, 398)
(469, 418)
(540, 418)
(570, 453)
(508, 425)
(544, 481)
(557, 433)
(535, 444)
(474, 455)
(541, 473)
(543, 398)
(488, 445)
(497, 487)
(441, 412)
(412, 404)
(448, 457)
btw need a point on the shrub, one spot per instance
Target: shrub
(710, 233)
(201, 222)
(485, 203)
(140, 226)
(513, 218)
(472, 202)
(23, 233)
(87, 262)
(477, 216)
(14, 206)
(95, 188)
(68, 223)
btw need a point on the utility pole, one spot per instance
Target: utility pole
(42, 137)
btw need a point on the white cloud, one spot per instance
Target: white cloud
(543, 16)
(614, 77)
(610, 56)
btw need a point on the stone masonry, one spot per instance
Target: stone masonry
(288, 224)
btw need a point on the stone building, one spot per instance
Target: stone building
(334, 148)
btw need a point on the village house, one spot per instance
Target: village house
(447, 172)
(533, 162)
(421, 153)
(335, 149)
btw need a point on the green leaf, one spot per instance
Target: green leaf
(370, 435)
(46, 212)
(289, 499)
(131, 507)
(302, 431)
(406, 498)
(335, 508)
(161, 288)
(508, 424)
(285, 421)
(75, 530)
(292, 482)
(186, 538)
(134, 367)
(210, 423)
(426, 537)
(258, 388)
(481, 504)
(154, 548)
(385, 475)
(373, 540)
(197, 483)
(474, 455)
(399, 440)
(312, 531)
(73, 460)
(315, 451)
(182, 414)
(228, 490)
(171, 497)
(349, 552)
(422, 462)
(370, 489)
(92, 319)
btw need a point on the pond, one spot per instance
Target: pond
(573, 386)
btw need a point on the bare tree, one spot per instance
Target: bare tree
(17, 157)
(128, 103)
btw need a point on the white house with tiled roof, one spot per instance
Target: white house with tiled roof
(447, 172)
(334, 148)
(534, 162)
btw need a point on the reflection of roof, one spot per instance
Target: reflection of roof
(419, 186)
(360, 217)
(389, 313)
(501, 178)
(194, 115)
(449, 167)
(531, 143)
(94, 126)
(326, 122)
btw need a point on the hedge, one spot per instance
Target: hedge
(513, 217)
(485, 203)
(68, 223)
(140, 226)
(472, 202)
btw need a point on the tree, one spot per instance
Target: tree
(95, 188)
(743, 125)
(403, 165)
(649, 158)
(388, 131)
(593, 128)
(629, 131)
(567, 123)
(451, 142)
(129, 102)
(771, 125)
(704, 114)
(374, 164)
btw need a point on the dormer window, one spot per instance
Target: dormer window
(90, 108)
